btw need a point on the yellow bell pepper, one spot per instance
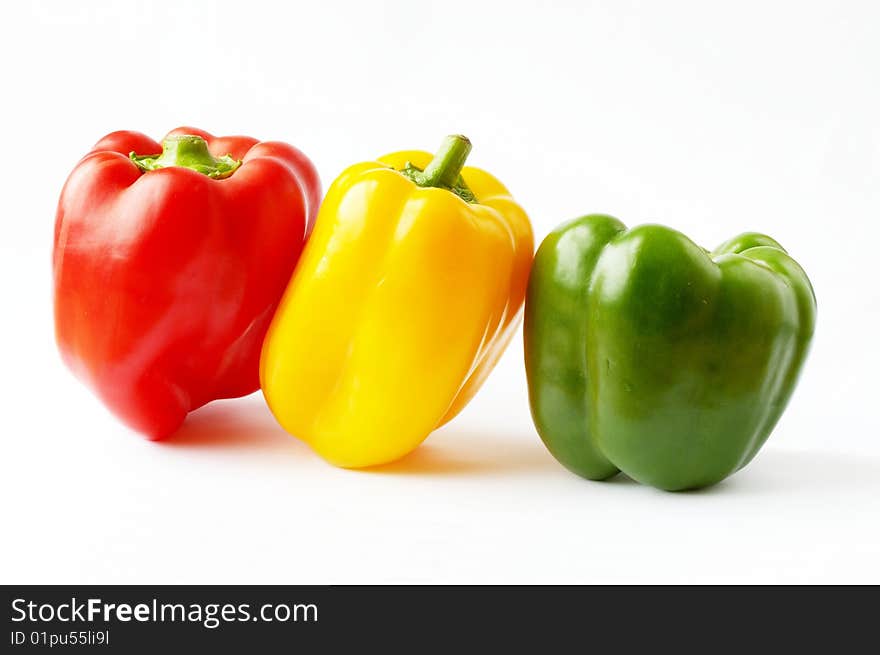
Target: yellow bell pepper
(406, 295)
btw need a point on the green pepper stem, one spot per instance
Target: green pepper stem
(444, 169)
(188, 151)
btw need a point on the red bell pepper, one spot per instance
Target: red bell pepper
(168, 268)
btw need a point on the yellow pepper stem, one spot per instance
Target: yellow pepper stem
(444, 169)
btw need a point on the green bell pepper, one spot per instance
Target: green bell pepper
(648, 354)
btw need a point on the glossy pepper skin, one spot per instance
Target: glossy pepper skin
(403, 301)
(167, 270)
(650, 355)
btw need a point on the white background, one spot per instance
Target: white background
(714, 118)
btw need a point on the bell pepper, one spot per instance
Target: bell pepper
(406, 295)
(650, 355)
(169, 261)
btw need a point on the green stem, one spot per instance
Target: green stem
(187, 151)
(444, 171)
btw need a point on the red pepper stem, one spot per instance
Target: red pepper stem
(187, 151)
(445, 169)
